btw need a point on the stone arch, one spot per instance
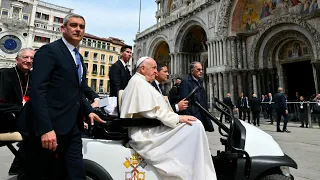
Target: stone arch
(183, 30)
(278, 25)
(155, 42)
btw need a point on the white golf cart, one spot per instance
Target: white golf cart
(249, 152)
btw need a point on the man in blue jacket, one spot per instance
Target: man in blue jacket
(280, 105)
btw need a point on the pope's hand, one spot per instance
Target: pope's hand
(49, 140)
(93, 117)
(183, 104)
(187, 119)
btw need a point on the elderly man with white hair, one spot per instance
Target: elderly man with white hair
(178, 148)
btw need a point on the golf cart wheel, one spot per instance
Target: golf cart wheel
(276, 177)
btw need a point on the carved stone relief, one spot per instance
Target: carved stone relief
(212, 18)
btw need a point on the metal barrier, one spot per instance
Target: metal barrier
(293, 110)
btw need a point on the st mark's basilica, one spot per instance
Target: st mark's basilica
(250, 46)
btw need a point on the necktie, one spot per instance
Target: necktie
(160, 88)
(78, 64)
(127, 69)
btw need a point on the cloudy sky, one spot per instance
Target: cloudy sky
(113, 18)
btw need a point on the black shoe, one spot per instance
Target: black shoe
(13, 171)
(302, 126)
(278, 130)
(286, 130)
(258, 124)
(271, 123)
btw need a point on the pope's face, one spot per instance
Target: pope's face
(149, 69)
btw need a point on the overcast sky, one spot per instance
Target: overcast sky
(113, 18)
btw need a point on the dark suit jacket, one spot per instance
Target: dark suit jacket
(56, 100)
(280, 102)
(245, 103)
(173, 105)
(10, 99)
(255, 104)
(227, 101)
(174, 94)
(186, 86)
(119, 78)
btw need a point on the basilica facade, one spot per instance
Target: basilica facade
(250, 46)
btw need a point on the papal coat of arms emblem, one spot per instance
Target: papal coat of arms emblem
(134, 162)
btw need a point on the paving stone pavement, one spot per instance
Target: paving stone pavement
(302, 144)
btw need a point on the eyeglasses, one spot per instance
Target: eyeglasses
(199, 69)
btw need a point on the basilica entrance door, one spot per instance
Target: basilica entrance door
(299, 78)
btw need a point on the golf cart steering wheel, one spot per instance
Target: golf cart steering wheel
(193, 92)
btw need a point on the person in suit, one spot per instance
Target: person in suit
(14, 92)
(281, 108)
(57, 106)
(243, 107)
(162, 76)
(302, 105)
(191, 81)
(269, 104)
(227, 101)
(255, 105)
(174, 93)
(119, 73)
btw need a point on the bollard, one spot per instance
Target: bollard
(309, 114)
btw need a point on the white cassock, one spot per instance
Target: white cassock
(178, 151)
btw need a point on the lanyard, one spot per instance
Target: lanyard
(23, 94)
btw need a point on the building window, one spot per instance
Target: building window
(86, 64)
(114, 48)
(45, 17)
(86, 54)
(94, 69)
(101, 70)
(38, 15)
(108, 46)
(99, 44)
(58, 19)
(41, 39)
(103, 57)
(89, 42)
(94, 43)
(95, 56)
(26, 17)
(103, 45)
(110, 59)
(5, 12)
(94, 84)
(101, 85)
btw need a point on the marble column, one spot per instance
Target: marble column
(239, 81)
(263, 81)
(273, 81)
(171, 63)
(220, 52)
(225, 83)
(212, 54)
(249, 79)
(259, 85)
(215, 85)
(225, 55)
(229, 52)
(210, 90)
(239, 53)
(233, 53)
(268, 82)
(254, 81)
(244, 54)
(231, 87)
(209, 55)
(315, 77)
(220, 86)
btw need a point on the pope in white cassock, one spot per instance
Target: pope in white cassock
(179, 148)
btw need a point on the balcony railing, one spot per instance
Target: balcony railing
(94, 72)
